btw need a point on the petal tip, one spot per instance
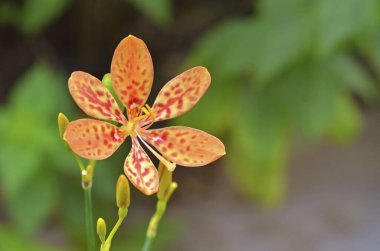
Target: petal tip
(204, 69)
(75, 73)
(132, 38)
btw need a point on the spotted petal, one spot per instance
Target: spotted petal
(93, 97)
(93, 139)
(185, 146)
(181, 93)
(140, 170)
(132, 72)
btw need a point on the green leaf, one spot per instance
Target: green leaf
(38, 14)
(159, 10)
(34, 104)
(30, 209)
(281, 45)
(346, 122)
(31, 149)
(284, 9)
(308, 93)
(370, 46)
(17, 166)
(260, 48)
(353, 76)
(41, 92)
(259, 150)
(223, 58)
(339, 21)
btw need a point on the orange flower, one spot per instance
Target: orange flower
(132, 78)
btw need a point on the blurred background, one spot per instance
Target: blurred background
(294, 96)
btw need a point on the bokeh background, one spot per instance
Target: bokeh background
(294, 96)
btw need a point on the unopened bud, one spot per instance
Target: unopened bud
(101, 229)
(107, 81)
(122, 192)
(166, 178)
(62, 124)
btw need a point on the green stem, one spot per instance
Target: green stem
(160, 211)
(114, 230)
(89, 220)
(87, 174)
(79, 161)
(147, 243)
(107, 244)
(153, 225)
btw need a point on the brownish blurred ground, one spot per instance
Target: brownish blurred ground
(333, 205)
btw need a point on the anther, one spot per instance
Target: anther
(151, 112)
(147, 112)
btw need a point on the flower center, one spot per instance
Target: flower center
(128, 129)
(146, 117)
(146, 114)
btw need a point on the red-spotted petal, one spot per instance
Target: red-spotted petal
(181, 93)
(93, 97)
(132, 72)
(185, 146)
(93, 139)
(140, 170)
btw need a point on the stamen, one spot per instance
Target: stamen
(140, 117)
(169, 165)
(145, 111)
(151, 112)
(150, 122)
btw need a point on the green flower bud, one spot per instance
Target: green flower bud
(122, 192)
(107, 81)
(101, 229)
(62, 124)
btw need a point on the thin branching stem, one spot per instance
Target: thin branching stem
(89, 220)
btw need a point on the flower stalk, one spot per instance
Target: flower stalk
(166, 189)
(87, 175)
(122, 202)
(86, 181)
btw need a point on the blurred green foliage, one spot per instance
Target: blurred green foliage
(32, 16)
(290, 70)
(10, 240)
(29, 153)
(159, 10)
